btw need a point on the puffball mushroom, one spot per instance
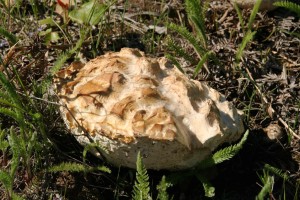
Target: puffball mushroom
(127, 102)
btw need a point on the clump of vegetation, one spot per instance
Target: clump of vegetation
(19, 140)
(141, 189)
(244, 57)
(196, 11)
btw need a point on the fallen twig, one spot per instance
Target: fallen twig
(271, 111)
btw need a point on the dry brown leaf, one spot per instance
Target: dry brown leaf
(62, 7)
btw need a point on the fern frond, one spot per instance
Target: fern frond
(32, 144)
(277, 172)
(93, 147)
(289, 5)
(76, 167)
(3, 145)
(14, 196)
(228, 152)
(162, 189)
(17, 113)
(10, 89)
(223, 154)
(9, 36)
(189, 37)
(194, 8)
(179, 51)
(10, 113)
(200, 30)
(3, 142)
(9, 104)
(209, 189)
(67, 166)
(102, 168)
(141, 187)
(6, 180)
(17, 147)
(196, 14)
(64, 57)
(60, 62)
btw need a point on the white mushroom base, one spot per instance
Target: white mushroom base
(156, 155)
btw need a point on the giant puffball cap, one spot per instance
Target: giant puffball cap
(127, 102)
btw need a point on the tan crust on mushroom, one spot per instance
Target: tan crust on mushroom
(129, 102)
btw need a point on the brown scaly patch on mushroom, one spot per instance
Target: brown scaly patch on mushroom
(128, 102)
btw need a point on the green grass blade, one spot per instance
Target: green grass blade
(253, 13)
(239, 13)
(179, 51)
(189, 37)
(296, 195)
(292, 33)
(267, 188)
(205, 57)
(248, 37)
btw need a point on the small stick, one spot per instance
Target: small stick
(270, 107)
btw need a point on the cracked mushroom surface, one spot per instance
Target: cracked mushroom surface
(127, 102)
